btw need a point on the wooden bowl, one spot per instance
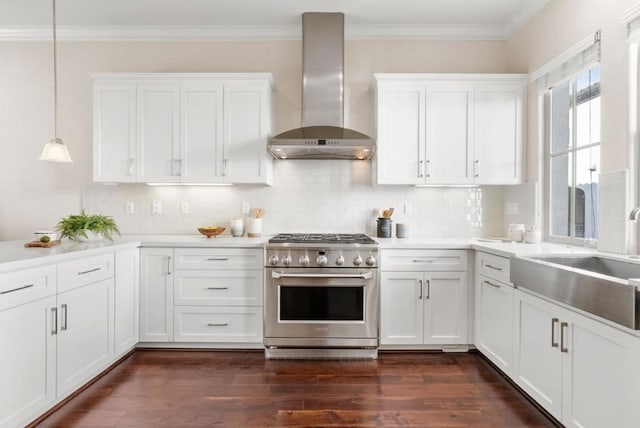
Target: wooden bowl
(210, 231)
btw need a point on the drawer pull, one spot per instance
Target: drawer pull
(422, 261)
(217, 259)
(16, 289)
(491, 284)
(217, 288)
(89, 271)
(499, 269)
(219, 324)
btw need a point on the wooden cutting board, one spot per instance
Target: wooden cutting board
(38, 244)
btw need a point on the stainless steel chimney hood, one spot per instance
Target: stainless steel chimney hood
(322, 135)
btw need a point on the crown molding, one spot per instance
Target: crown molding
(630, 14)
(244, 32)
(522, 16)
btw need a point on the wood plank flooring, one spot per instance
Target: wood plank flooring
(242, 389)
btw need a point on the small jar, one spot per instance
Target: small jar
(532, 235)
(516, 232)
(402, 230)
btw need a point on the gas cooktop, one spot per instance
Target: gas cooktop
(321, 238)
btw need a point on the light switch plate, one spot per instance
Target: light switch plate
(156, 207)
(408, 208)
(245, 208)
(184, 207)
(129, 207)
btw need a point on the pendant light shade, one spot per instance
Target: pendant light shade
(55, 150)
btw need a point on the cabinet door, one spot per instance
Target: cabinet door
(27, 361)
(401, 133)
(498, 133)
(158, 133)
(600, 375)
(401, 308)
(201, 118)
(114, 133)
(85, 337)
(448, 138)
(537, 364)
(126, 300)
(247, 125)
(445, 313)
(156, 295)
(494, 321)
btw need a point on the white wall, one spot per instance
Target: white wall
(35, 194)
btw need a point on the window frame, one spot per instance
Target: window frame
(572, 152)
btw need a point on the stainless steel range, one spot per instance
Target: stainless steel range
(321, 296)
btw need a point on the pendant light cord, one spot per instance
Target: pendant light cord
(55, 76)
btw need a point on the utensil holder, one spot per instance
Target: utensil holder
(384, 227)
(254, 227)
(237, 227)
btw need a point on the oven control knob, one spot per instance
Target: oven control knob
(370, 261)
(304, 260)
(321, 260)
(273, 260)
(286, 260)
(357, 260)
(339, 261)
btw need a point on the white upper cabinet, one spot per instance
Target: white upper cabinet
(114, 132)
(182, 128)
(157, 136)
(449, 129)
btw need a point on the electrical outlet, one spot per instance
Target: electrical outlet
(129, 207)
(245, 208)
(156, 207)
(184, 207)
(408, 208)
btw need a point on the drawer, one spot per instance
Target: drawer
(24, 286)
(424, 260)
(218, 324)
(218, 287)
(218, 258)
(493, 266)
(84, 271)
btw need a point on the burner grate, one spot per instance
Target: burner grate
(322, 238)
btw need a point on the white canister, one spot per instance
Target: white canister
(237, 227)
(516, 232)
(532, 235)
(254, 227)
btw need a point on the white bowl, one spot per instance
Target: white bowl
(50, 233)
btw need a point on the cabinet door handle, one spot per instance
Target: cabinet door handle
(168, 265)
(499, 269)
(420, 287)
(420, 169)
(54, 316)
(562, 346)
(476, 168)
(217, 288)
(428, 289)
(427, 169)
(89, 271)
(554, 342)
(491, 284)
(131, 160)
(16, 289)
(217, 324)
(63, 324)
(225, 168)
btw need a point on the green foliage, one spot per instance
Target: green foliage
(77, 225)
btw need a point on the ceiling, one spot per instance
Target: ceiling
(270, 19)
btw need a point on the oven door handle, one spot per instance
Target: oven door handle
(364, 275)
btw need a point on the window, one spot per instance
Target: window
(573, 152)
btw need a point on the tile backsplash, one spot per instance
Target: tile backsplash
(306, 196)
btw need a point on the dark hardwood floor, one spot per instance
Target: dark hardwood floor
(239, 389)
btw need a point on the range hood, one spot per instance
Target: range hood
(322, 135)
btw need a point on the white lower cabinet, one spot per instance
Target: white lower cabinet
(423, 308)
(85, 334)
(27, 361)
(227, 324)
(582, 371)
(156, 294)
(126, 305)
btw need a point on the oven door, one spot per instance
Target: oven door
(321, 307)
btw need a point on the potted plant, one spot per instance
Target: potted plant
(86, 227)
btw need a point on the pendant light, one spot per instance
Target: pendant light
(55, 150)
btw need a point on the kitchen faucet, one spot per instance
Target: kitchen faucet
(634, 214)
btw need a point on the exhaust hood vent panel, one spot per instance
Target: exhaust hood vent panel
(322, 135)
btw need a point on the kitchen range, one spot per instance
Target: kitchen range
(321, 296)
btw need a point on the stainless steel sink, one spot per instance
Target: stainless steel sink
(595, 284)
